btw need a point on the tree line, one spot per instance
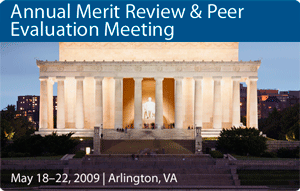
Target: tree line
(282, 125)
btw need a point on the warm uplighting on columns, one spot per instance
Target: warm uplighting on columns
(178, 103)
(118, 102)
(50, 103)
(138, 103)
(79, 120)
(60, 102)
(98, 101)
(43, 102)
(159, 120)
(198, 101)
(217, 117)
(252, 118)
(236, 101)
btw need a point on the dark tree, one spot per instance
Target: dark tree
(242, 141)
(14, 126)
(282, 124)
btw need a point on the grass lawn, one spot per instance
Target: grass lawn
(35, 158)
(132, 146)
(210, 138)
(287, 178)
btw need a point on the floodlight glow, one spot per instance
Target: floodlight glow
(87, 150)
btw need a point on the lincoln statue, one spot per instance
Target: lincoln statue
(149, 109)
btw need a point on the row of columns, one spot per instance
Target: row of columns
(46, 102)
(217, 110)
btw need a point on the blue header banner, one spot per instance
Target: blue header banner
(150, 21)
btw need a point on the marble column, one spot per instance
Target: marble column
(79, 115)
(252, 118)
(236, 114)
(118, 102)
(217, 112)
(50, 103)
(198, 101)
(178, 103)
(138, 121)
(98, 101)
(159, 119)
(61, 123)
(43, 102)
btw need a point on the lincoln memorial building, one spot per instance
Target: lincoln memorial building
(163, 86)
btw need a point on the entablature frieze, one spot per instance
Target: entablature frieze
(147, 66)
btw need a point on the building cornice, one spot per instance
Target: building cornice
(41, 62)
(146, 68)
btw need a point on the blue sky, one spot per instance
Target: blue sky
(280, 67)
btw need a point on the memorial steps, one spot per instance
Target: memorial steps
(139, 134)
(193, 172)
(210, 132)
(149, 134)
(183, 140)
(189, 171)
(165, 134)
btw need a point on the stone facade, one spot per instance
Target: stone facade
(92, 93)
(148, 51)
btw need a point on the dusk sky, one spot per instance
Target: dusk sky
(280, 67)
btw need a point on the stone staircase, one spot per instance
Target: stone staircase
(189, 171)
(210, 132)
(149, 134)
